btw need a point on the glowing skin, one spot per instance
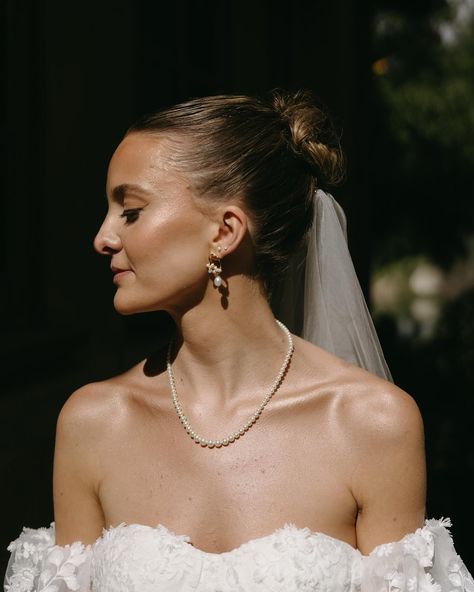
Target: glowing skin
(154, 229)
(338, 450)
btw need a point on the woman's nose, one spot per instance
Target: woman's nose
(107, 241)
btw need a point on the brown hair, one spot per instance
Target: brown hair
(273, 153)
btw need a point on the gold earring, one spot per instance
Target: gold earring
(214, 267)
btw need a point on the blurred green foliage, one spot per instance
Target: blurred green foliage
(423, 206)
(423, 141)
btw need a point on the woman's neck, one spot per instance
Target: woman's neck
(225, 352)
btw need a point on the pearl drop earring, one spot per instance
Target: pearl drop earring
(214, 267)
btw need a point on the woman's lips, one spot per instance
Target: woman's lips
(119, 273)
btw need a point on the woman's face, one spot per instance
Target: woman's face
(158, 238)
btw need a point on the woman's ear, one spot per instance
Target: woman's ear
(233, 226)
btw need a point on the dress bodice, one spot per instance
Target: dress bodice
(138, 558)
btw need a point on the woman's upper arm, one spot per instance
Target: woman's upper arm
(390, 476)
(76, 475)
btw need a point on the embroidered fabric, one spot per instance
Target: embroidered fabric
(138, 558)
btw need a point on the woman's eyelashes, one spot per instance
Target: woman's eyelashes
(131, 215)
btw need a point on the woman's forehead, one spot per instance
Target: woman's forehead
(141, 150)
(144, 161)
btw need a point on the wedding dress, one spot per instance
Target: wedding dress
(138, 558)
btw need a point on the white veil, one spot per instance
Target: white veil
(321, 298)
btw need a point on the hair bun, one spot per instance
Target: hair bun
(312, 135)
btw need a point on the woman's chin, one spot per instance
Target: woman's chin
(125, 306)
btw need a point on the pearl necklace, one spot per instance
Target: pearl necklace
(232, 437)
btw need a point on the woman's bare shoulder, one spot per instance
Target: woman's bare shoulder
(379, 412)
(90, 425)
(367, 405)
(101, 403)
(378, 431)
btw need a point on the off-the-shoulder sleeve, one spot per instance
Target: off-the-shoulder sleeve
(423, 561)
(37, 564)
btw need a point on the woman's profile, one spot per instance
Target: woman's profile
(239, 457)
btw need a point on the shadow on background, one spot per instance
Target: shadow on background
(78, 75)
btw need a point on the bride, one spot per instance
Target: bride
(239, 456)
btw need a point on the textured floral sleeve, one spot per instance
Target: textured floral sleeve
(37, 564)
(423, 561)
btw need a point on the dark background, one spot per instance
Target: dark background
(78, 74)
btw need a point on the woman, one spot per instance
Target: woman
(295, 470)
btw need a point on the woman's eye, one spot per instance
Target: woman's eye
(131, 215)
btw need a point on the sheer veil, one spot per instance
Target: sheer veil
(320, 298)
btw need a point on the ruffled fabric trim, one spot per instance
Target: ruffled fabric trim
(37, 564)
(423, 561)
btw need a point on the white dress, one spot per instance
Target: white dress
(138, 558)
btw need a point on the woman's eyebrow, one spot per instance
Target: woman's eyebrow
(118, 193)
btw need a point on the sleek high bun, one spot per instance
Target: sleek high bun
(272, 154)
(312, 135)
